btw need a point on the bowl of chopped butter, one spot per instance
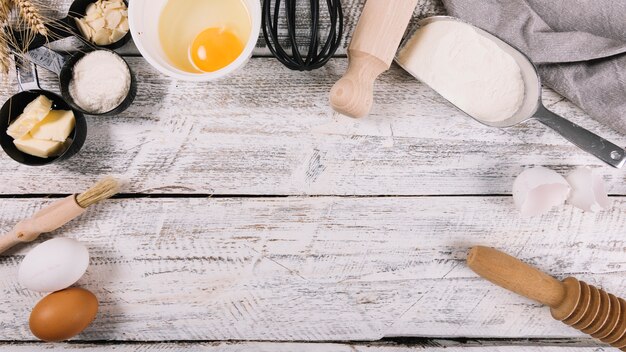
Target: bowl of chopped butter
(103, 22)
(38, 127)
(100, 23)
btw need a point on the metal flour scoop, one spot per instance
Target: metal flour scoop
(532, 106)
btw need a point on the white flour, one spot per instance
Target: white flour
(100, 82)
(467, 69)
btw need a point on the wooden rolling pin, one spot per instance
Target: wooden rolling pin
(374, 43)
(577, 304)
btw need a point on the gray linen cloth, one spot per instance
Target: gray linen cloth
(579, 46)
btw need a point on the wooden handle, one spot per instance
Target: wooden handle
(47, 219)
(381, 26)
(514, 275)
(374, 43)
(7, 241)
(353, 94)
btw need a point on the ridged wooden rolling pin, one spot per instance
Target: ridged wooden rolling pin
(58, 214)
(374, 43)
(577, 304)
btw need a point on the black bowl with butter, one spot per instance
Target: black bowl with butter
(12, 109)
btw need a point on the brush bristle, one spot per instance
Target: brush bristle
(104, 189)
(5, 11)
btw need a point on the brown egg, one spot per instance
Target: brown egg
(63, 314)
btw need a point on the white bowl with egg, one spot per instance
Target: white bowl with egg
(144, 18)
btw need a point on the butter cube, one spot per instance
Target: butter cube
(101, 37)
(37, 147)
(84, 28)
(57, 126)
(91, 9)
(117, 35)
(41, 105)
(33, 113)
(113, 19)
(124, 25)
(97, 24)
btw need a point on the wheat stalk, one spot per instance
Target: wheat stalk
(21, 14)
(5, 54)
(5, 60)
(5, 11)
(31, 16)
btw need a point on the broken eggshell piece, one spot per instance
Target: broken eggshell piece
(588, 191)
(537, 190)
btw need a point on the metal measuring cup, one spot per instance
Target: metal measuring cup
(532, 106)
(63, 66)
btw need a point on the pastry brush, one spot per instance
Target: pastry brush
(58, 213)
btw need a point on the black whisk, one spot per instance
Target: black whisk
(319, 51)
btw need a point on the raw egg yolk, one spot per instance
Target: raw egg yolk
(214, 48)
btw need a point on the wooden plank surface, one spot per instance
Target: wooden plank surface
(269, 130)
(316, 269)
(290, 347)
(184, 267)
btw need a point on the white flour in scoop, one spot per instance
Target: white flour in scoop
(467, 69)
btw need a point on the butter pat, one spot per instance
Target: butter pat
(40, 131)
(38, 147)
(57, 126)
(33, 113)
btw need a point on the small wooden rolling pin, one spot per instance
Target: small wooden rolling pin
(58, 214)
(374, 43)
(577, 304)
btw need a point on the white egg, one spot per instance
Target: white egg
(53, 265)
(588, 191)
(537, 190)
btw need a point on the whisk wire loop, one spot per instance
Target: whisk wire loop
(317, 53)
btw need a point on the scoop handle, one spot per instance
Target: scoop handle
(353, 94)
(26, 74)
(47, 219)
(593, 144)
(514, 275)
(47, 58)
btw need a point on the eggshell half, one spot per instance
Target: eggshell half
(53, 265)
(537, 190)
(588, 190)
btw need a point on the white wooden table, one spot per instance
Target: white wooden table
(256, 219)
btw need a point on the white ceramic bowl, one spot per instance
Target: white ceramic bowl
(143, 18)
